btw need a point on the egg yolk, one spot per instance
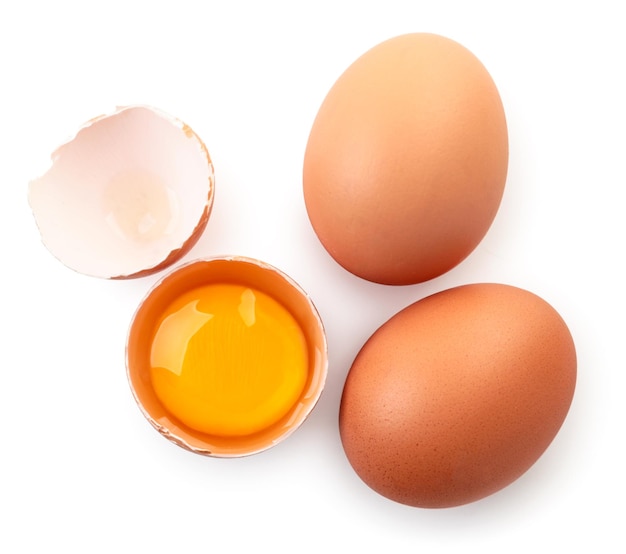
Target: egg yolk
(228, 360)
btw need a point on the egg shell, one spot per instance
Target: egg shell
(406, 161)
(457, 395)
(233, 270)
(127, 196)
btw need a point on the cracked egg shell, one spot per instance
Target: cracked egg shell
(227, 356)
(129, 195)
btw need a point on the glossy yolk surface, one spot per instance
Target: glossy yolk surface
(228, 360)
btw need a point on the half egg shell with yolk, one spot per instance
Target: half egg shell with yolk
(227, 356)
(129, 195)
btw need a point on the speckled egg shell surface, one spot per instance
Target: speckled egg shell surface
(406, 161)
(457, 395)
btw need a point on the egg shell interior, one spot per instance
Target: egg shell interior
(129, 194)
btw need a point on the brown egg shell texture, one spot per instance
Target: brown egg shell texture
(457, 395)
(406, 161)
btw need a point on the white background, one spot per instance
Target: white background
(80, 468)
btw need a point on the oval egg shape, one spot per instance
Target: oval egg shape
(457, 395)
(406, 161)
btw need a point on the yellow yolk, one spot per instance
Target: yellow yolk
(228, 360)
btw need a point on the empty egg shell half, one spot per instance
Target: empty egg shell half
(226, 357)
(129, 195)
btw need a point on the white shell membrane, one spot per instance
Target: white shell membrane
(128, 190)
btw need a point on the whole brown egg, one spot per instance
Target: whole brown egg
(406, 161)
(457, 395)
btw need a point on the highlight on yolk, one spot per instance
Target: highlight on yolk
(228, 360)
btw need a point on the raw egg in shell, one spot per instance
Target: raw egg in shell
(227, 356)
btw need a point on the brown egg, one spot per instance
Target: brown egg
(406, 161)
(457, 395)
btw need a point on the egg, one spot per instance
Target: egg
(457, 395)
(129, 195)
(226, 356)
(406, 161)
